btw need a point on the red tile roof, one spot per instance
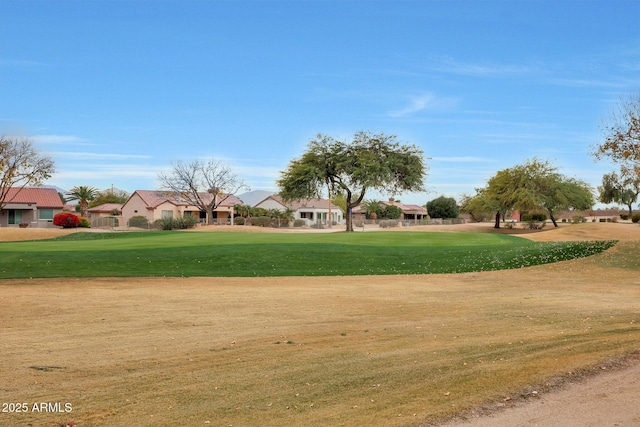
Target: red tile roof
(153, 198)
(41, 197)
(107, 207)
(304, 203)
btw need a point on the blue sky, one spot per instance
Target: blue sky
(115, 90)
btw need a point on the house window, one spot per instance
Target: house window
(308, 215)
(15, 216)
(167, 214)
(45, 214)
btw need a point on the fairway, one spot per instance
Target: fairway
(184, 254)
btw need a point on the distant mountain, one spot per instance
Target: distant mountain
(252, 198)
(58, 189)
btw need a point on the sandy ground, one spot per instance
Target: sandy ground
(608, 395)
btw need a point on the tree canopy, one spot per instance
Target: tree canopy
(21, 165)
(478, 206)
(367, 162)
(443, 207)
(622, 133)
(83, 194)
(534, 185)
(623, 188)
(195, 180)
(112, 195)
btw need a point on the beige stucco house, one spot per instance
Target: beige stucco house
(410, 213)
(105, 215)
(155, 205)
(312, 211)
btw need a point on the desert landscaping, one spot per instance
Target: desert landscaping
(393, 350)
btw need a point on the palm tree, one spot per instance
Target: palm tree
(373, 207)
(242, 210)
(83, 194)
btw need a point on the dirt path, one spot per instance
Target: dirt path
(610, 398)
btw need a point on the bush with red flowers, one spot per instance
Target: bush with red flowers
(66, 220)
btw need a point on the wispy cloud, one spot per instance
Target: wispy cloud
(446, 64)
(60, 139)
(20, 63)
(604, 83)
(78, 155)
(107, 172)
(427, 101)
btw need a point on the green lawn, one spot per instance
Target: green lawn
(238, 254)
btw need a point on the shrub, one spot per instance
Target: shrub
(392, 212)
(577, 219)
(533, 225)
(539, 216)
(84, 222)
(534, 216)
(139, 221)
(66, 220)
(390, 223)
(184, 222)
(260, 221)
(163, 224)
(239, 220)
(635, 218)
(624, 216)
(298, 223)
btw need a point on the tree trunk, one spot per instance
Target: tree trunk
(630, 205)
(349, 219)
(350, 206)
(84, 206)
(497, 224)
(553, 219)
(209, 215)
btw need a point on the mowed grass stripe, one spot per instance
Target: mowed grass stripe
(85, 241)
(176, 254)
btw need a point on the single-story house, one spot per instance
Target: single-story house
(312, 211)
(34, 206)
(155, 205)
(413, 213)
(105, 215)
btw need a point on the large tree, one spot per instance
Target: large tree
(367, 162)
(478, 206)
(205, 184)
(83, 194)
(622, 133)
(534, 185)
(623, 188)
(443, 207)
(499, 194)
(21, 166)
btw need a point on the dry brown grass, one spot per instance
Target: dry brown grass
(392, 350)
